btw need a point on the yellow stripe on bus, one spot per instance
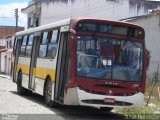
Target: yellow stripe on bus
(39, 72)
(24, 67)
(43, 72)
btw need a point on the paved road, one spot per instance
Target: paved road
(33, 107)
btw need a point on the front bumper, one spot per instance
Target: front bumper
(76, 96)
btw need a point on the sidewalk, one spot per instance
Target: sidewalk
(5, 76)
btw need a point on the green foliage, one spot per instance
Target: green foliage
(127, 111)
(155, 96)
(144, 110)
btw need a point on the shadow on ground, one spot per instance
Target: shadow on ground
(73, 112)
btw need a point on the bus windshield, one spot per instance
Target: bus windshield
(110, 59)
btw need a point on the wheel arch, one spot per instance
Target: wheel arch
(19, 71)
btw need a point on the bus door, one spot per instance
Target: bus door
(34, 55)
(62, 67)
(16, 49)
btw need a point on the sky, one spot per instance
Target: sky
(7, 12)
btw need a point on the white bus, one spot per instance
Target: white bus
(89, 62)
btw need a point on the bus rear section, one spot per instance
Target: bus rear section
(97, 63)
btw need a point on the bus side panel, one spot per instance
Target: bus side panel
(23, 64)
(39, 76)
(44, 68)
(39, 84)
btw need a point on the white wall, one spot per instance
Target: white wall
(6, 63)
(152, 36)
(2, 42)
(3, 67)
(108, 9)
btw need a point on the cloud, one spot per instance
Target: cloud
(8, 11)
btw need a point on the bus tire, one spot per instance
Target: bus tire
(106, 109)
(20, 90)
(48, 94)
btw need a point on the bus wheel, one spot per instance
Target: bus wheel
(106, 109)
(48, 94)
(20, 90)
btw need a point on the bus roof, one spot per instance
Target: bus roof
(44, 27)
(77, 19)
(67, 22)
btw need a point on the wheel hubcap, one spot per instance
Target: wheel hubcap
(49, 91)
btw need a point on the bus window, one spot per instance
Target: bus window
(24, 40)
(128, 65)
(28, 50)
(52, 50)
(45, 38)
(87, 26)
(42, 50)
(54, 36)
(52, 46)
(22, 52)
(105, 58)
(43, 45)
(29, 46)
(23, 47)
(30, 40)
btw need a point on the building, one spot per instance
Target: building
(33, 13)
(54, 10)
(8, 30)
(6, 54)
(6, 44)
(41, 12)
(151, 25)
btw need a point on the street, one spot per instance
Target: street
(33, 106)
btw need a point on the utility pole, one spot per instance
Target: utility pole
(16, 15)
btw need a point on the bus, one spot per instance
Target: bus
(82, 61)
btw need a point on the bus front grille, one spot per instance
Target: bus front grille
(101, 102)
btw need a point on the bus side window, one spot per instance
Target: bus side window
(52, 46)
(23, 45)
(45, 38)
(29, 45)
(43, 45)
(52, 50)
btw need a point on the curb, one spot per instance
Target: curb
(4, 76)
